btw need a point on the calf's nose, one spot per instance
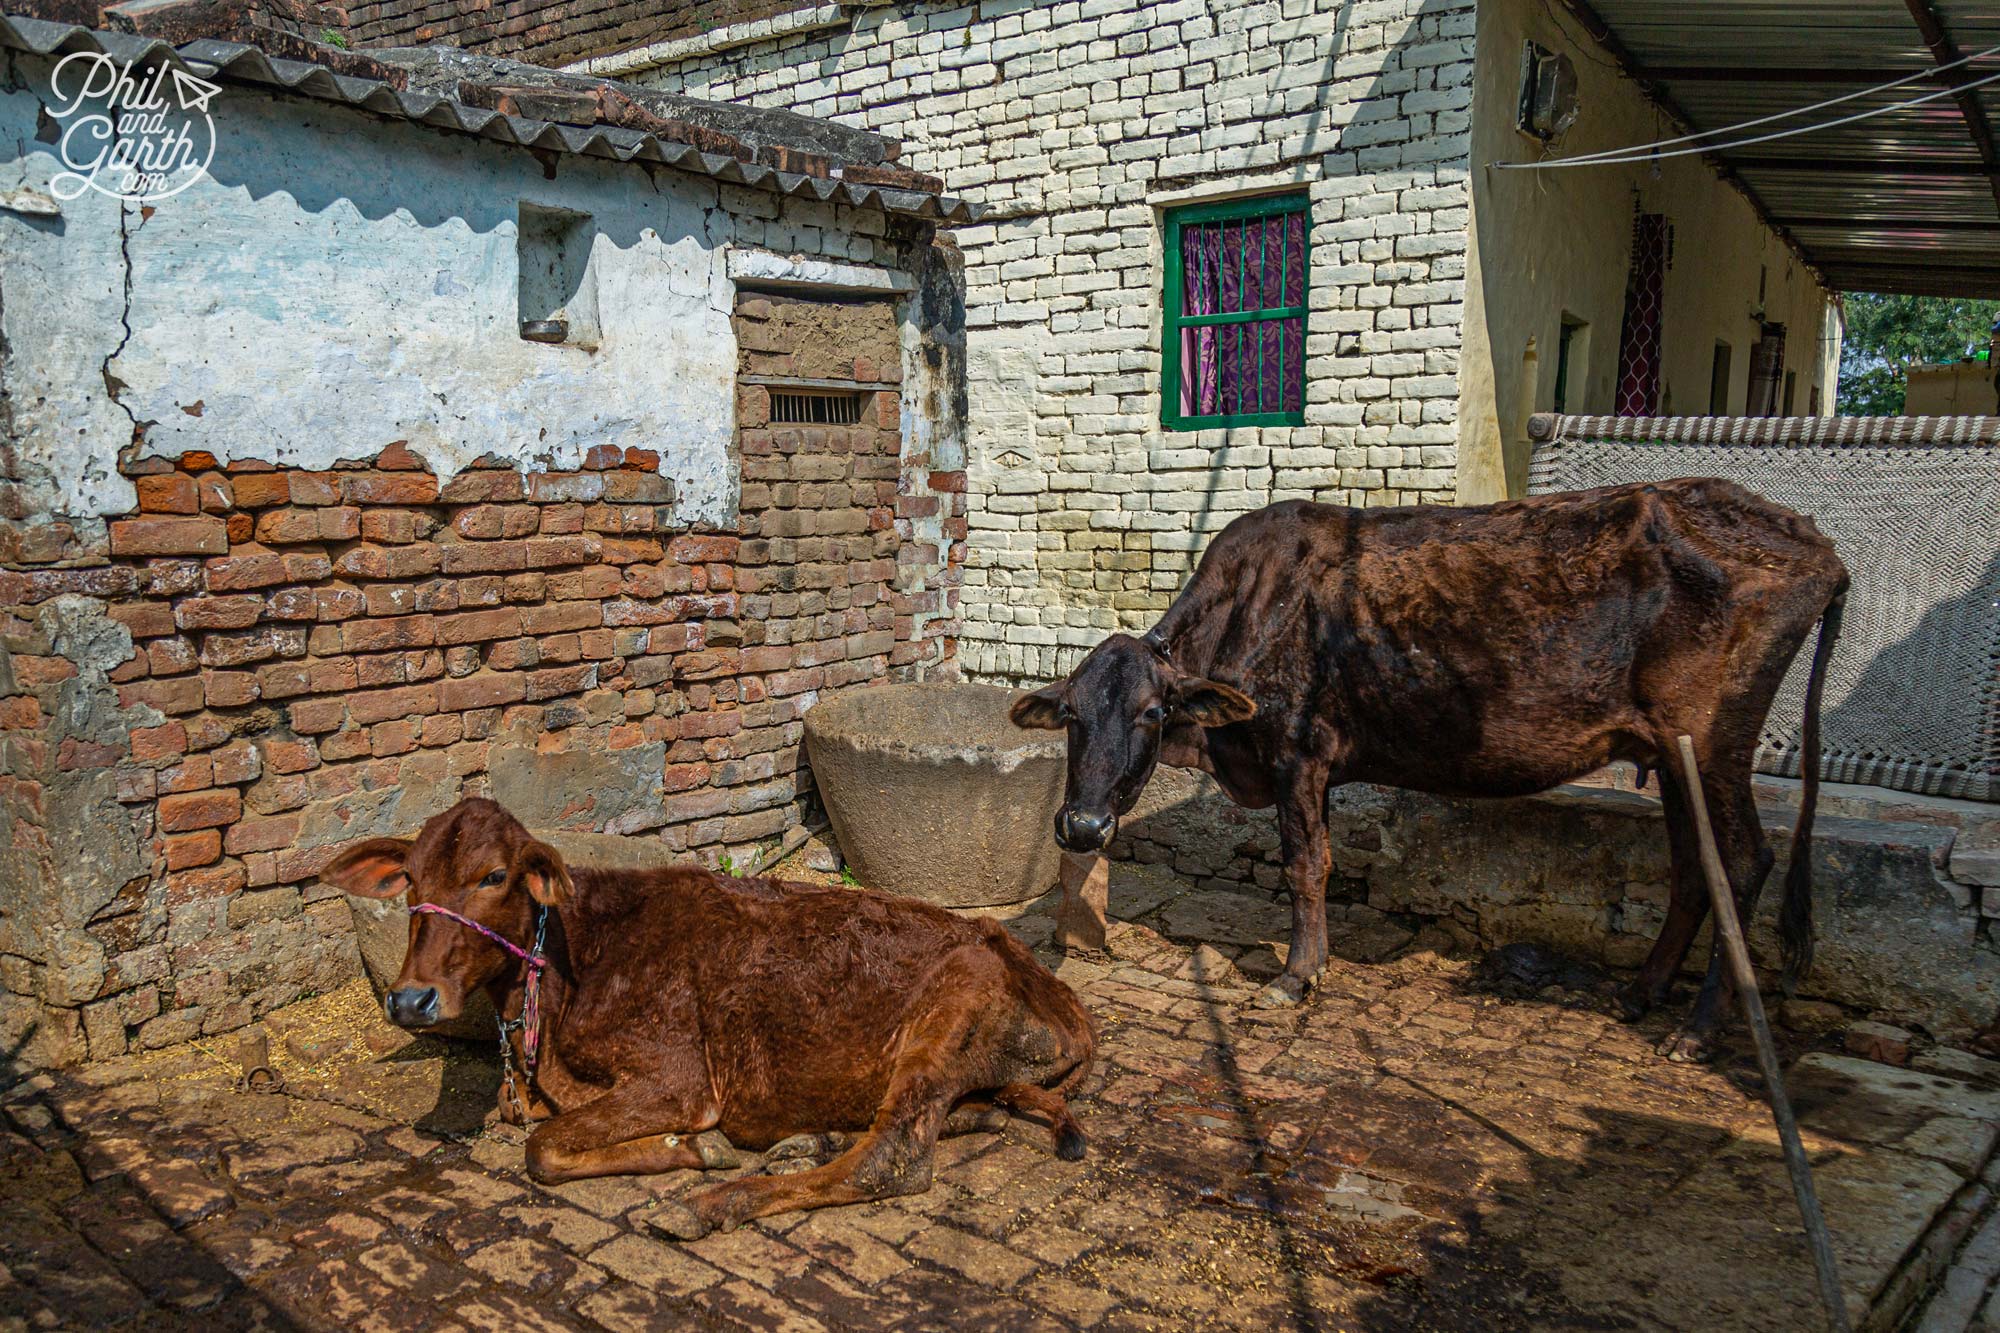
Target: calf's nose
(1079, 832)
(413, 1006)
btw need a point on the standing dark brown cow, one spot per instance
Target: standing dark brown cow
(683, 1014)
(1492, 651)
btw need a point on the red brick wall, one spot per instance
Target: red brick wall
(329, 654)
(863, 534)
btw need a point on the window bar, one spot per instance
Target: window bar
(1284, 290)
(1223, 335)
(1263, 298)
(1207, 275)
(1247, 303)
(1241, 239)
(1191, 244)
(1242, 245)
(1190, 301)
(1305, 260)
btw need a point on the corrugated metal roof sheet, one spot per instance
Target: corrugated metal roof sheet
(1901, 202)
(246, 66)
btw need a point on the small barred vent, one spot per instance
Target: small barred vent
(815, 409)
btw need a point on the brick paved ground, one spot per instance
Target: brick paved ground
(1417, 1147)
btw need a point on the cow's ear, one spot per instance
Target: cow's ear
(371, 869)
(1039, 710)
(539, 869)
(1210, 703)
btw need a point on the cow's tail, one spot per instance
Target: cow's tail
(1795, 921)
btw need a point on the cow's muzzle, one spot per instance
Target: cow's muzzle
(413, 1006)
(1078, 832)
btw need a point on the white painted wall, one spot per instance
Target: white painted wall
(61, 298)
(1078, 124)
(339, 283)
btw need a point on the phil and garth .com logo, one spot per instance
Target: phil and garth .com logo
(134, 134)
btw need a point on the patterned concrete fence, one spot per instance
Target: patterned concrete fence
(1913, 505)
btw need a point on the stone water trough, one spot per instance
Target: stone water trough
(935, 794)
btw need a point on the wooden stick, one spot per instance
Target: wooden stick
(254, 1051)
(1730, 931)
(1086, 885)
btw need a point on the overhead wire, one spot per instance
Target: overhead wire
(1795, 111)
(1651, 152)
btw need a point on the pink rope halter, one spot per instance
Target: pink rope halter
(530, 1021)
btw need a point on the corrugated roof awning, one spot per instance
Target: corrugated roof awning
(1908, 201)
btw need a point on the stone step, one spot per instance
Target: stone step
(1964, 1298)
(1584, 869)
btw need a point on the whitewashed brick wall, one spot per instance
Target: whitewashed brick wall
(1076, 123)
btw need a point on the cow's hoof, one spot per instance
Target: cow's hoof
(676, 1219)
(977, 1120)
(1633, 1004)
(791, 1166)
(717, 1152)
(1070, 1144)
(799, 1147)
(1283, 992)
(1688, 1047)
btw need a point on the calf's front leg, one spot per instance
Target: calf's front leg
(1308, 861)
(636, 1129)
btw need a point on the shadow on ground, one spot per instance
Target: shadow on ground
(1413, 1148)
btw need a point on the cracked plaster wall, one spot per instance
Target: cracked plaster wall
(64, 833)
(337, 283)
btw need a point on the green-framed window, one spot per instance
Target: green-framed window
(1233, 336)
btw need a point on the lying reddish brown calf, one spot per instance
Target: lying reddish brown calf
(675, 1003)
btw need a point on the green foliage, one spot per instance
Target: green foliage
(1886, 335)
(333, 37)
(848, 877)
(1876, 391)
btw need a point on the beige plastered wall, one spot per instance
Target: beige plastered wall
(1963, 388)
(1550, 245)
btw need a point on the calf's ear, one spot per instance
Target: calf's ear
(1039, 710)
(539, 868)
(371, 869)
(1210, 703)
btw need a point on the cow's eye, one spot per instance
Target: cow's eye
(1063, 714)
(494, 880)
(1154, 714)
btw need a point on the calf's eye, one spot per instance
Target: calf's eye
(1154, 714)
(494, 880)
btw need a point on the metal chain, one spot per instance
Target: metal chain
(507, 1065)
(507, 1026)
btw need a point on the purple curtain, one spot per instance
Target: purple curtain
(1639, 336)
(1256, 365)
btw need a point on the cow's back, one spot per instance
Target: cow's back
(1448, 645)
(1518, 576)
(794, 991)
